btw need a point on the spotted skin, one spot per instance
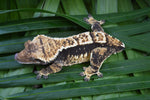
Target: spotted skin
(98, 55)
(95, 46)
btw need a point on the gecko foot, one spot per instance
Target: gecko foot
(86, 78)
(99, 74)
(82, 74)
(87, 73)
(39, 75)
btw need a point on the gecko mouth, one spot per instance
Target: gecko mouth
(21, 62)
(34, 61)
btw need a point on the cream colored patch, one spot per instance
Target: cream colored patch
(114, 41)
(48, 49)
(84, 58)
(68, 42)
(85, 55)
(123, 45)
(76, 59)
(102, 51)
(99, 37)
(83, 38)
(91, 20)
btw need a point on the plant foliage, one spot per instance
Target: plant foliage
(126, 75)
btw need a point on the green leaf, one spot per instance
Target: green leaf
(113, 18)
(107, 6)
(130, 27)
(34, 24)
(142, 3)
(86, 88)
(125, 5)
(135, 97)
(26, 4)
(135, 43)
(45, 23)
(76, 7)
(71, 18)
(72, 73)
(50, 5)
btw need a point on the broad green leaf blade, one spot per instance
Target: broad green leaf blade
(50, 5)
(72, 73)
(106, 6)
(3, 5)
(44, 23)
(14, 15)
(142, 3)
(108, 17)
(135, 43)
(71, 18)
(148, 2)
(26, 4)
(76, 7)
(34, 24)
(135, 97)
(8, 62)
(8, 91)
(136, 54)
(125, 16)
(131, 29)
(135, 35)
(90, 6)
(86, 88)
(125, 5)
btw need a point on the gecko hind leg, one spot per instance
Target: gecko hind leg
(48, 70)
(98, 55)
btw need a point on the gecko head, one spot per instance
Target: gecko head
(29, 54)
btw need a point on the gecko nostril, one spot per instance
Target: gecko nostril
(16, 56)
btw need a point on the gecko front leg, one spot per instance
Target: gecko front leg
(55, 67)
(98, 55)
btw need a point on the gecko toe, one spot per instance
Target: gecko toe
(100, 74)
(85, 19)
(86, 79)
(36, 72)
(82, 74)
(84, 68)
(45, 76)
(89, 15)
(38, 76)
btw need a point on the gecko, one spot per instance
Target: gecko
(94, 46)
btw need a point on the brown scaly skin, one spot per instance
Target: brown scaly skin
(95, 46)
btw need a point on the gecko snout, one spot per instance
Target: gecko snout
(16, 56)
